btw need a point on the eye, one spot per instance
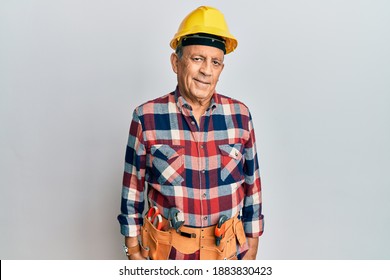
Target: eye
(197, 59)
(216, 63)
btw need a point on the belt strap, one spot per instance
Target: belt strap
(193, 232)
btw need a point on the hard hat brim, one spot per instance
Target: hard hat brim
(230, 42)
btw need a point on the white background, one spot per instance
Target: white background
(315, 74)
(123, 269)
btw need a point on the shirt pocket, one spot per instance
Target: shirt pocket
(166, 165)
(231, 162)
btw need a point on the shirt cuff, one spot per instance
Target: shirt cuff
(254, 228)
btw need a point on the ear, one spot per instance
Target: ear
(174, 62)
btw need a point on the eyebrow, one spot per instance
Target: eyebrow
(213, 58)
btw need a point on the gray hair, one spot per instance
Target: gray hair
(179, 51)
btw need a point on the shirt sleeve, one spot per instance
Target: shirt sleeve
(252, 216)
(133, 201)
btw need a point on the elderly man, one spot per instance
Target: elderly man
(191, 157)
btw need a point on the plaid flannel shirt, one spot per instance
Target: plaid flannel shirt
(205, 170)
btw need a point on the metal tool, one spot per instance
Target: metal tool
(219, 231)
(155, 217)
(176, 219)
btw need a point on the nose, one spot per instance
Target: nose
(206, 68)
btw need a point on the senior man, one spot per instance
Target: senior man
(191, 186)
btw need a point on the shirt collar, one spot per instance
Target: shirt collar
(182, 103)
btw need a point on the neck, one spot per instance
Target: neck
(198, 106)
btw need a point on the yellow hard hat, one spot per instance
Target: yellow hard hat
(206, 20)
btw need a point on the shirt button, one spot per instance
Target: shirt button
(204, 195)
(201, 146)
(205, 218)
(193, 123)
(203, 171)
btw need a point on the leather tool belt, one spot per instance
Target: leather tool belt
(157, 244)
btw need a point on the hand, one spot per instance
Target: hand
(136, 256)
(131, 242)
(253, 244)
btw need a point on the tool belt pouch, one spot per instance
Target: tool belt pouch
(240, 233)
(227, 249)
(230, 243)
(155, 244)
(237, 240)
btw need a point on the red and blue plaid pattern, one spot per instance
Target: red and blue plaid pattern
(205, 170)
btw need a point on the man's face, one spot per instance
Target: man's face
(198, 71)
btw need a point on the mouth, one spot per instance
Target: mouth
(202, 82)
